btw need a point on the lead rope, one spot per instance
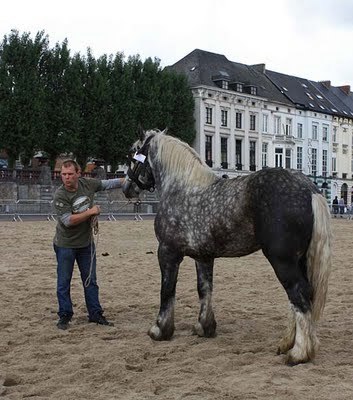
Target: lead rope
(94, 232)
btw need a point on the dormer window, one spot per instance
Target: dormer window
(251, 89)
(221, 80)
(225, 85)
(239, 87)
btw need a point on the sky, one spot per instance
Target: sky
(311, 39)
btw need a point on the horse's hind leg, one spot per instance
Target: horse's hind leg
(169, 261)
(287, 342)
(300, 342)
(206, 325)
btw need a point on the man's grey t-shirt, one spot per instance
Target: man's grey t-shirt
(75, 236)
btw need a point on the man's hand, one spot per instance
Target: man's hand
(76, 219)
(95, 210)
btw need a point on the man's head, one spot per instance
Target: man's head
(70, 172)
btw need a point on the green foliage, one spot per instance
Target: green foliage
(21, 104)
(79, 105)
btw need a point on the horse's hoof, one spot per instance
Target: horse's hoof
(283, 349)
(292, 359)
(155, 333)
(197, 329)
(291, 362)
(208, 331)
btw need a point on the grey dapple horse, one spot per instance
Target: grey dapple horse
(204, 217)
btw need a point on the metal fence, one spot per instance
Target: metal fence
(110, 210)
(43, 209)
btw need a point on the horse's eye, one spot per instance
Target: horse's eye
(138, 148)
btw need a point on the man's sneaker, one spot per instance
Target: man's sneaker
(63, 322)
(100, 319)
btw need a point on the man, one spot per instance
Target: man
(341, 205)
(335, 205)
(73, 202)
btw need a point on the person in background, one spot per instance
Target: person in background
(335, 205)
(73, 241)
(341, 205)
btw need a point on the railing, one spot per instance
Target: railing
(43, 209)
(110, 210)
(31, 176)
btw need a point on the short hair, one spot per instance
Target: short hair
(70, 162)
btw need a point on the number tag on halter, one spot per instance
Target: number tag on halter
(139, 157)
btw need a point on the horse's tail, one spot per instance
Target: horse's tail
(319, 254)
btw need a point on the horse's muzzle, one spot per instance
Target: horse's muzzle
(130, 189)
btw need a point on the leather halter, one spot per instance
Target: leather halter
(141, 168)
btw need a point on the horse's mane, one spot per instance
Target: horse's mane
(180, 161)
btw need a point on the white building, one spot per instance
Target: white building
(248, 118)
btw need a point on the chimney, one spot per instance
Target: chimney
(345, 89)
(326, 83)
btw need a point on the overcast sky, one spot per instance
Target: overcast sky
(307, 38)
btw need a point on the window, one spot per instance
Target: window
(238, 120)
(300, 131)
(278, 158)
(288, 126)
(224, 117)
(208, 115)
(277, 125)
(288, 158)
(208, 150)
(224, 152)
(325, 133)
(314, 162)
(239, 87)
(264, 154)
(224, 84)
(253, 90)
(265, 123)
(252, 155)
(334, 134)
(238, 162)
(324, 162)
(314, 132)
(299, 158)
(334, 164)
(252, 122)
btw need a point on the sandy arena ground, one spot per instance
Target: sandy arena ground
(38, 361)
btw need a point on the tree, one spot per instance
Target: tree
(21, 109)
(62, 81)
(89, 107)
(178, 105)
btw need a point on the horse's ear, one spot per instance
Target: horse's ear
(141, 133)
(165, 131)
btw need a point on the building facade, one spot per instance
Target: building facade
(248, 118)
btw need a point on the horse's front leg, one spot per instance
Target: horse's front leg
(169, 261)
(206, 325)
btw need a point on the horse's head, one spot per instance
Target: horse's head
(140, 176)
